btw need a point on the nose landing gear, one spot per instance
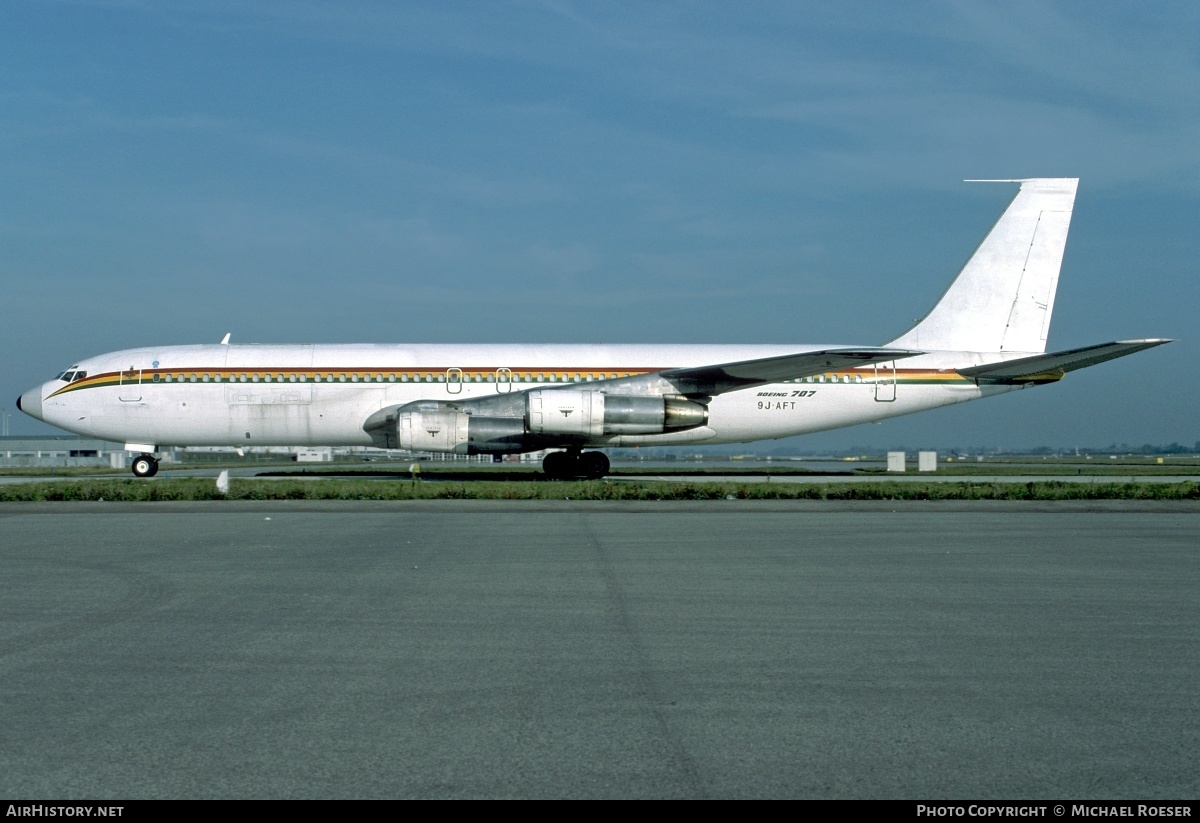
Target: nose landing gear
(589, 465)
(145, 465)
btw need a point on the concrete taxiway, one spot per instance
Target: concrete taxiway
(555, 649)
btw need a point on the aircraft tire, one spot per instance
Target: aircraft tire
(145, 465)
(593, 465)
(558, 464)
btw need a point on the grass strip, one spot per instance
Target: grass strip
(205, 489)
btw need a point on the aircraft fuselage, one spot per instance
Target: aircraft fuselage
(247, 395)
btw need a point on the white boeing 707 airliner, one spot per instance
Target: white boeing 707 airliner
(986, 336)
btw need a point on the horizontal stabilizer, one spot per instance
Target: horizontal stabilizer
(747, 373)
(1045, 368)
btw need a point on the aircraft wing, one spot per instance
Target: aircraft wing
(725, 377)
(1044, 368)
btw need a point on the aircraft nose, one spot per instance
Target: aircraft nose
(31, 403)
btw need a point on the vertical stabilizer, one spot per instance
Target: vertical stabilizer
(1002, 299)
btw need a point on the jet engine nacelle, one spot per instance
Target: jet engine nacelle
(593, 413)
(518, 422)
(434, 426)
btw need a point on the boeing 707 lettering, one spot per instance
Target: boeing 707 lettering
(985, 336)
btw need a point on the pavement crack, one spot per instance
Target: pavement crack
(648, 686)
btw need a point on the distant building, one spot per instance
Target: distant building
(64, 450)
(70, 450)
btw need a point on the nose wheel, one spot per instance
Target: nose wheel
(589, 465)
(145, 465)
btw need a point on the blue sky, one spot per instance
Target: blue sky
(585, 172)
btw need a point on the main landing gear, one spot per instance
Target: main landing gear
(590, 465)
(145, 465)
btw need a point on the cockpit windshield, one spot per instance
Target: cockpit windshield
(71, 375)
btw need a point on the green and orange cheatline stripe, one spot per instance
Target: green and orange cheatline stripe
(442, 376)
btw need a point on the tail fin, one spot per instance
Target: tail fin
(1002, 299)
